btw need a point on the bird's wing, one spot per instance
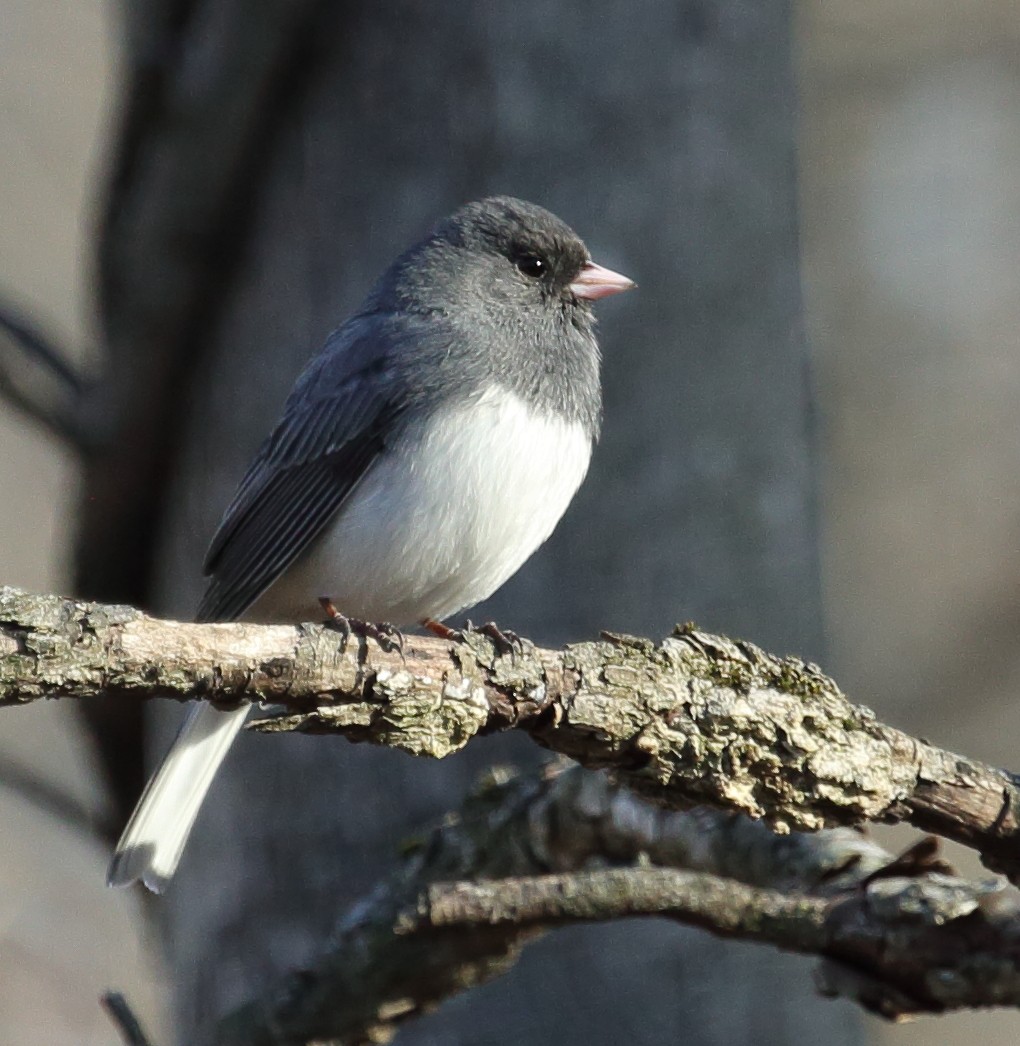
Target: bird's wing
(334, 425)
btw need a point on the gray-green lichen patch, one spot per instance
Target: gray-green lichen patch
(416, 720)
(53, 646)
(401, 710)
(934, 900)
(706, 718)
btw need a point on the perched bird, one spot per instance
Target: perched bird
(423, 455)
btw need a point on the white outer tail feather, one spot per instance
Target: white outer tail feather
(151, 845)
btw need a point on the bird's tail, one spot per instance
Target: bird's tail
(154, 839)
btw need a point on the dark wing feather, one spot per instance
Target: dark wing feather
(334, 425)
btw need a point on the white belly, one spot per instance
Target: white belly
(441, 522)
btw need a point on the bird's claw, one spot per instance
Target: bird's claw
(505, 641)
(388, 636)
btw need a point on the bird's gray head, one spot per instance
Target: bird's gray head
(522, 254)
(510, 287)
(498, 253)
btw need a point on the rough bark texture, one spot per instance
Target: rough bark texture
(927, 945)
(664, 134)
(695, 719)
(899, 937)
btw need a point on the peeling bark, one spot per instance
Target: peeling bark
(695, 719)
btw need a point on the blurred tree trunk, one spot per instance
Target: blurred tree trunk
(665, 134)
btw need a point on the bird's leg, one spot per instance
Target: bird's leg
(336, 620)
(388, 636)
(437, 628)
(506, 642)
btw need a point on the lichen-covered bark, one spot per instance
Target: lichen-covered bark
(916, 945)
(898, 937)
(695, 719)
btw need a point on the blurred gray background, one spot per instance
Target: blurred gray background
(910, 188)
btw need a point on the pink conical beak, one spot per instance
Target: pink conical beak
(594, 282)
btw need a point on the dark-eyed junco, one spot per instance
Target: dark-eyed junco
(423, 455)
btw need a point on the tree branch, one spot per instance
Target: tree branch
(696, 719)
(387, 965)
(898, 937)
(912, 945)
(127, 1024)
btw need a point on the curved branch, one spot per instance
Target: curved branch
(387, 965)
(897, 936)
(923, 945)
(697, 719)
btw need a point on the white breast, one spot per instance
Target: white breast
(441, 522)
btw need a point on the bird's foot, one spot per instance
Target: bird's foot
(388, 636)
(505, 641)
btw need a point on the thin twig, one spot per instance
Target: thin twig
(55, 802)
(38, 379)
(795, 922)
(123, 1017)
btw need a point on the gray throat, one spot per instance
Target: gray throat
(552, 364)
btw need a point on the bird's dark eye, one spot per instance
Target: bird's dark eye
(532, 265)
